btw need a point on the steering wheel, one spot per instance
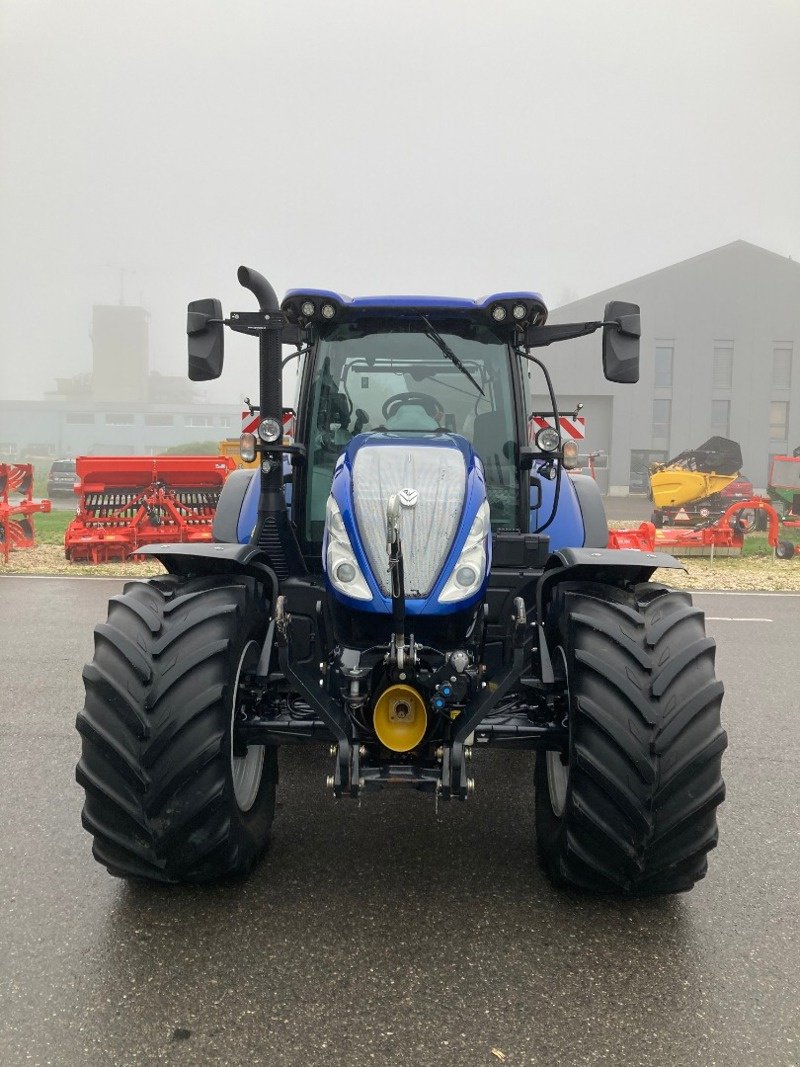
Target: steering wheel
(424, 400)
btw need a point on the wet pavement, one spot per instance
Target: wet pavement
(387, 934)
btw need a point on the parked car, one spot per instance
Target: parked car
(62, 477)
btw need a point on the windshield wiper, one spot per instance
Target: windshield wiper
(446, 350)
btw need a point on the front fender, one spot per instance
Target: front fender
(207, 558)
(608, 566)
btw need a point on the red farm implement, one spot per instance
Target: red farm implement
(130, 501)
(16, 522)
(725, 537)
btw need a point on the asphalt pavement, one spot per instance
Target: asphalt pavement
(388, 934)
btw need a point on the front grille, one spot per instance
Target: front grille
(438, 473)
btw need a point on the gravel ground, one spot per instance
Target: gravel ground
(744, 573)
(49, 559)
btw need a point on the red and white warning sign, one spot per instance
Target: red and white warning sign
(250, 421)
(573, 427)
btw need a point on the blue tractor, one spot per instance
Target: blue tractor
(406, 581)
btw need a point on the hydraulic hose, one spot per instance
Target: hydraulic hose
(554, 406)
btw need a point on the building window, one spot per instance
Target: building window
(153, 450)
(157, 419)
(663, 377)
(119, 418)
(8, 448)
(198, 420)
(782, 367)
(225, 421)
(779, 420)
(85, 418)
(662, 411)
(723, 364)
(721, 418)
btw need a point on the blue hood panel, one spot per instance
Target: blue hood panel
(475, 495)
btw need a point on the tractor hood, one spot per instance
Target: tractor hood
(444, 528)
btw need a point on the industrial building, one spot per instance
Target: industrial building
(37, 428)
(720, 337)
(119, 408)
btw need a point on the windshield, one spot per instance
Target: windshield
(401, 381)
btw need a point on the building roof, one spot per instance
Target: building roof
(732, 249)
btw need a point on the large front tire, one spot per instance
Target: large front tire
(168, 798)
(631, 807)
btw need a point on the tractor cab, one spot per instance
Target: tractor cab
(422, 372)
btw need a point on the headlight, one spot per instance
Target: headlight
(499, 313)
(547, 439)
(519, 311)
(466, 577)
(307, 308)
(469, 571)
(344, 573)
(270, 430)
(328, 311)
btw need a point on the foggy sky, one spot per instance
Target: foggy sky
(433, 147)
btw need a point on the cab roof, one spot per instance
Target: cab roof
(347, 306)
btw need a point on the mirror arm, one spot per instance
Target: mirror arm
(540, 336)
(256, 323)
(630, 325)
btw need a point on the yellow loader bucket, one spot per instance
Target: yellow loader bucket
(672, 488)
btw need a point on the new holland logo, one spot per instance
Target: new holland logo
(408, 497)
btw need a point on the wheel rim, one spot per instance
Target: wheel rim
(247, 770)
(557, 779)
(557, 768)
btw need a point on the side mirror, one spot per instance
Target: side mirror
(621, 342)
(205, 331)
